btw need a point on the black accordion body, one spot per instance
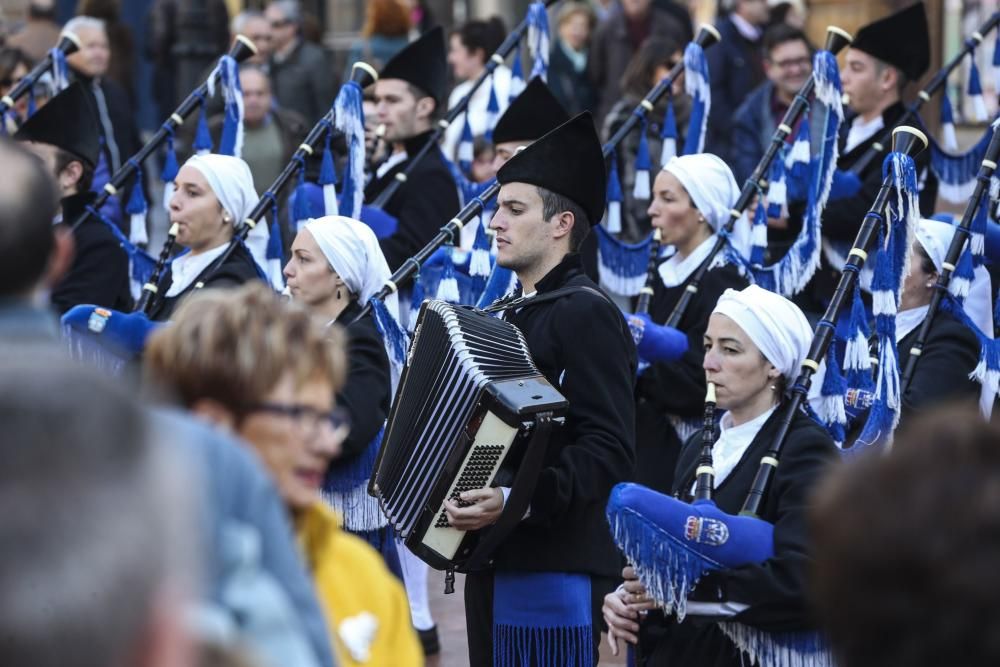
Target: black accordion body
(463, 418)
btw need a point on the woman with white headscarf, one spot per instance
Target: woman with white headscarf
(691, 199)
(754, 346)
(336, 266)
(951, 350)
(212, 195)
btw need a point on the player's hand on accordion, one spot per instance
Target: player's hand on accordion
(478, 508)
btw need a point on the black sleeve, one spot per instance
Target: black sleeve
(949, 355)
(678, 387)
(366, 394)
(775, 589)
(98, 275)
(599, 371)
(428, 203)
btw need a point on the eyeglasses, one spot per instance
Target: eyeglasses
(308, 417)
(277, 24)
(792, 62)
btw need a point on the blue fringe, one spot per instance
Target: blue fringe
(777, 191)
(779, 649)
(538, 39)
(395, 339)
(697, 85)
(957, 172)
(522, 647)
(345, 475)
(622, 266)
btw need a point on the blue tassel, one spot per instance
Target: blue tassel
(957, 172)
(136, 208)
(797, 178)
(480, 265)
(976, 90)
(231, 141)
(516, 76)
(643, 165)
(948, 122)
(447, 289)
(466, 152)
(777, 190)
(622, 266)
(857, 358)
(301, 210)
(393, 335)
(758, 248)
(32, 104)
(961, 279)
(492, 108)
(977, 239)
(141, 265)
(697, 85)
(328, 177)
(831, 408)
(274, 249)
(349, 118)
(668, 134)
(170, 166)
(202, 137)
(613, 219)
(538, 39)
(987, 371)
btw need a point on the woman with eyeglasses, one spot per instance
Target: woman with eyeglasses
(268, 372)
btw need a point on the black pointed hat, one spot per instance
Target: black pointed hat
(534, 112)
(422, 63)
(901, 40)
(568, 161)
(68, 121)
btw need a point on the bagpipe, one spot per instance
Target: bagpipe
(54, 60)
(673, 544)
(344, 116)
(534, 21)
(707, 36)
(241, 49)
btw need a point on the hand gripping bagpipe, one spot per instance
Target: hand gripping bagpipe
(963, 232)
(362, 76)
(707, 36)
(242, 49)
(672, 543)
(836, 40)
(513, 41)
(68, 44)
(912, 112)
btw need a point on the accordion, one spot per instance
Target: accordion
(468, 408)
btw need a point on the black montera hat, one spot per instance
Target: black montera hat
(533, 113)
(568, 161)
(422, 63)
(67, 121)
(901, 40)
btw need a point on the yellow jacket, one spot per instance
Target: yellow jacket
(365, 605)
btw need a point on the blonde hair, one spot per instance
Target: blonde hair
(235, 345)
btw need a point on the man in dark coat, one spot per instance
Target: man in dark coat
(883, 58)
(735, 68)
(64, 135)
(408, 97)
(561, 548)
(301, 72)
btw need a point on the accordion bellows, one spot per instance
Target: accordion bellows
(461, 418)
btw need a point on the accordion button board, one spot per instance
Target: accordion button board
(461, 419)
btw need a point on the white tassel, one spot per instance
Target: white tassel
(668, 151)
(979, 108)
(641, 188)
(856, 353)
(137, 229)
(883, 302)
(330, 199)
(613, 220)
(448, 290)
(950, 140)
(960, 287)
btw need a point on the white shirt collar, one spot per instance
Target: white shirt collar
(745, 28)
(908, 320)
(733, 442)
(861, 131)
(187, 267)
(675, 270)
(390, 162)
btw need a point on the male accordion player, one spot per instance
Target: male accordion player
(539, 600)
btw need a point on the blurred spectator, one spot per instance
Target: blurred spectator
(40, 33)
(568, 78)
(14, 65)
(121, 65)
(97, 536)
(300, 70)
(483, 154)
(421, 17)
(646, 69)
(167, 43)
(469, 48)
(619, 37)
(790, 13)
(735, 66)
(787, 64)
(255, 27)
(906, 546)
(385, 32)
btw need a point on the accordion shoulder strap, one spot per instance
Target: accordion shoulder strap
(519, 498)
(525, 302)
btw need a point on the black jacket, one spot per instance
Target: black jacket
(580, 342)
(675, 389)
(367, 392)
(238, 268)
(422, 205)
(99, 273)
(775, 589)
(950, 353)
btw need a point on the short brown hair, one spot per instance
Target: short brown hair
(235, 345)
(386, 17)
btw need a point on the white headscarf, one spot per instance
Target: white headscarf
(232, 183)
(353, 252)
(775, 325)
